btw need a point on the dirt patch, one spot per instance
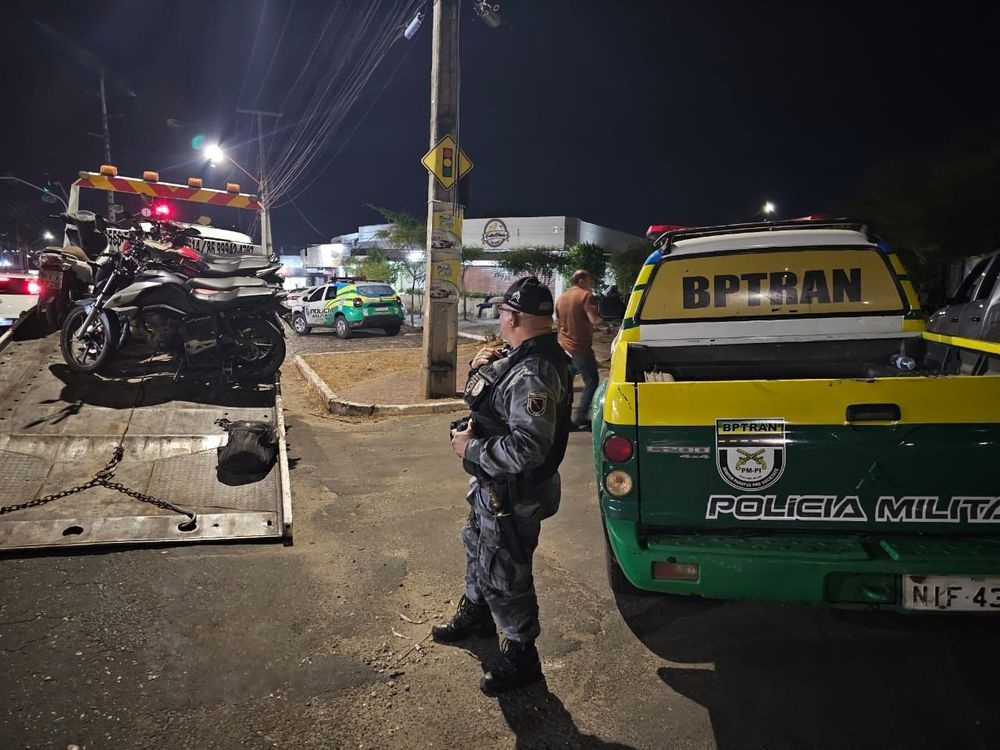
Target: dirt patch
(382, 376)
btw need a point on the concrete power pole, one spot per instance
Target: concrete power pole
(107, 139)
(265, 215)
(438, 363)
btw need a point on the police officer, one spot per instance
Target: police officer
(512, 446)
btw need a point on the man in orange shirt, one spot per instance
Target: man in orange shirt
(577, 314)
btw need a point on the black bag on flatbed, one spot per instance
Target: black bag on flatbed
(250, 452)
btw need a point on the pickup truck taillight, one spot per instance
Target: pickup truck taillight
(618, 448)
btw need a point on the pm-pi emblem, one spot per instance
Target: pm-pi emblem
(750, 453)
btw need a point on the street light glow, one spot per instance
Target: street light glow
(215, 153)
(769, 208)
(48, 236)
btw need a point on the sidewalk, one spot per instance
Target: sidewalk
(398, 391)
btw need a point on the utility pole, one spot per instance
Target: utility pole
(438, 363)
(107, 139)
(265, 216)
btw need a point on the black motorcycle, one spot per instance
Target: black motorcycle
(221, 324)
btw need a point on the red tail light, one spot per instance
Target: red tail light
(358, 302)
(126, 247)
(618, 448)
(189, 253)
(33, 287)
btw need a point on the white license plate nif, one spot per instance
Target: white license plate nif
(952, 593)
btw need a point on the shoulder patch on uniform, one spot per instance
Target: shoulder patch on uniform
(537, 401)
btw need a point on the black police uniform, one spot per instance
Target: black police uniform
(520, 407)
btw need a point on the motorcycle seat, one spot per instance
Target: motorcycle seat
(225, 283)
(210, 299)
(245, 262)
(216, 270)
(72, 250)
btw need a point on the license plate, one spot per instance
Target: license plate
(52, 279)
(952, 593)
(382, 309)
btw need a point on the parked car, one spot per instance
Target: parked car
(974, 311)
(295, 296)
(18, 294)
(347, 305)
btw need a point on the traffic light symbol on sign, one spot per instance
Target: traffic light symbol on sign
(447, 162)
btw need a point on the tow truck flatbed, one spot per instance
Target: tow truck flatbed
(58, 428)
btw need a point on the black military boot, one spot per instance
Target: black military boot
(518, 667)
(471, 618)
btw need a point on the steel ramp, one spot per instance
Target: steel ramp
(58, 428)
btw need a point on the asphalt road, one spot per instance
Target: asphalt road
(314, 645)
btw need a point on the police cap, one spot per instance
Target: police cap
(528, 295)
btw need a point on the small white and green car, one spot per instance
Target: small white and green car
(347, 305)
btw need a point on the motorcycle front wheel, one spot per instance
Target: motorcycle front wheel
(87, 351)
(259, 350)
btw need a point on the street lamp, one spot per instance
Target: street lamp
(48, 236)
(769, 208)
(215, 155)
(47, 195)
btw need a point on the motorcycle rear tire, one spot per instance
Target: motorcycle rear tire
(106, 334)
(264, 334)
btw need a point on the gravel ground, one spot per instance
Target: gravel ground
(355, 375)
(323, 340)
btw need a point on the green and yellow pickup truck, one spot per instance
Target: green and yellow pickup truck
(777, 426)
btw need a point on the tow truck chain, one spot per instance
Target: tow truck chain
(102, 479)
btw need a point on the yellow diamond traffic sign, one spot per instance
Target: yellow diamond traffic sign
(441, 162)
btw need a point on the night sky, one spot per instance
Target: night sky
(622, 113)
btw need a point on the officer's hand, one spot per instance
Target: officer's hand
(485, 355)
(459, 440)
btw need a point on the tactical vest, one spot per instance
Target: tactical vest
(481, 386)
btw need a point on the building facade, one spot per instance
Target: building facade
(495, 235)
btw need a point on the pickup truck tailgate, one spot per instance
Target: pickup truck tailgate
(892, 454)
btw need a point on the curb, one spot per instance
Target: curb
(336, 405)
(474, 336)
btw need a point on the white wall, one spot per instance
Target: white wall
(609, 239)
(536, 231)
(532, 231)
